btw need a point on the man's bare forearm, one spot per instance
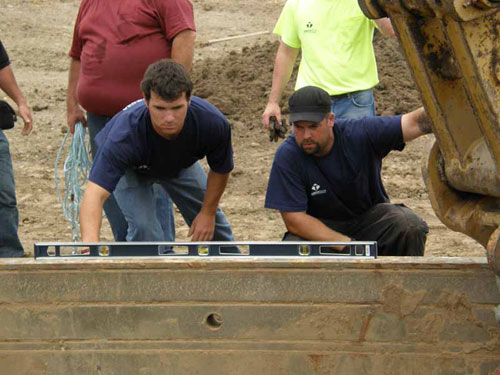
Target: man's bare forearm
(424, 123)
(415, 124)
(216, 184)
(74, 74)
(183, 48)
(91, 212)
(9, 85)
(310, 228)
(283, 67)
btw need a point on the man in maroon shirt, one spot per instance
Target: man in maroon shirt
(113, 44)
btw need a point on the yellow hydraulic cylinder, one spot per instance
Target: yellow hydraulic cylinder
(453, 50)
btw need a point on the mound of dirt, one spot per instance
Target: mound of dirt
(239, 83)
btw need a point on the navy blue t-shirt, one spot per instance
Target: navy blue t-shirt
(4, 58)
(128, 141)
(342, 184)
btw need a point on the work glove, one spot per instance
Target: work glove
(277, 130)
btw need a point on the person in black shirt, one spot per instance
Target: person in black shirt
(10, 246)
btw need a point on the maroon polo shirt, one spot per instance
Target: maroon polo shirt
(116, 41)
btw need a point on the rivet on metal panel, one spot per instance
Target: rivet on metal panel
(214, 321)
(203, 250)
(304, 250)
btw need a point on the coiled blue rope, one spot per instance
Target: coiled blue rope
(76, 170)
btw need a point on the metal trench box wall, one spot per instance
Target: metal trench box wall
(248, 316)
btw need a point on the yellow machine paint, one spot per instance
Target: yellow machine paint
(453, 50)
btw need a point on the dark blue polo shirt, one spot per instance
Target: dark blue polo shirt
(342, 184)
(128, 141)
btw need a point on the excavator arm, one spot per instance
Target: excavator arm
(453, 50)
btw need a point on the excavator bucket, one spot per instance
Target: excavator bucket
(453, 50)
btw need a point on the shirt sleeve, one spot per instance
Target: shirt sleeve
(116, 153)
(106, 170)
(286, 28)
(384, 134)
(220, 157)
(76, 45)
(285, 189)
(4, 58)
(175, 16)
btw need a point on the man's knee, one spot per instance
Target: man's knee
(412, 231)
(404, 233)
(141, 230)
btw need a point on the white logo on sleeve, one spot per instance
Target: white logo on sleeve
(316, 190)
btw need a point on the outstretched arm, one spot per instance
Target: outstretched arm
(203, 226)
(283, 67)
(415, 124)
(8, 84)
(91, 212)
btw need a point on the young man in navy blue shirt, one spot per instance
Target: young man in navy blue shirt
(159, 140)
(326, 181)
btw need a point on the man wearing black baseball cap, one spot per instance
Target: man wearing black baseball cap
(326, 178)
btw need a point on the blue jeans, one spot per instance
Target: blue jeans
(187, 191)
(10, 246)
(117, 221)
(355, 105)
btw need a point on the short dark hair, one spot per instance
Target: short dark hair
(168, 79)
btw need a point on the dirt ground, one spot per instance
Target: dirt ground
(235, 76)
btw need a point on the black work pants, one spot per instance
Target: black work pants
(397, 229)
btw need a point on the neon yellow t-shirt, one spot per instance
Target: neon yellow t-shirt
(336, 42)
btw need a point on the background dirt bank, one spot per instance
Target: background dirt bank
(235, 76)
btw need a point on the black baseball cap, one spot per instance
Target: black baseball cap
(309, 103)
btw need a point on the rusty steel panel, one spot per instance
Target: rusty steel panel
(247, 316)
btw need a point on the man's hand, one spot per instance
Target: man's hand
(25, 113)
(272, 110)
(75, 114)
(202, 228)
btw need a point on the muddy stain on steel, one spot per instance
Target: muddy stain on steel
(316, 360)
(365, 325)
(401, 302)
